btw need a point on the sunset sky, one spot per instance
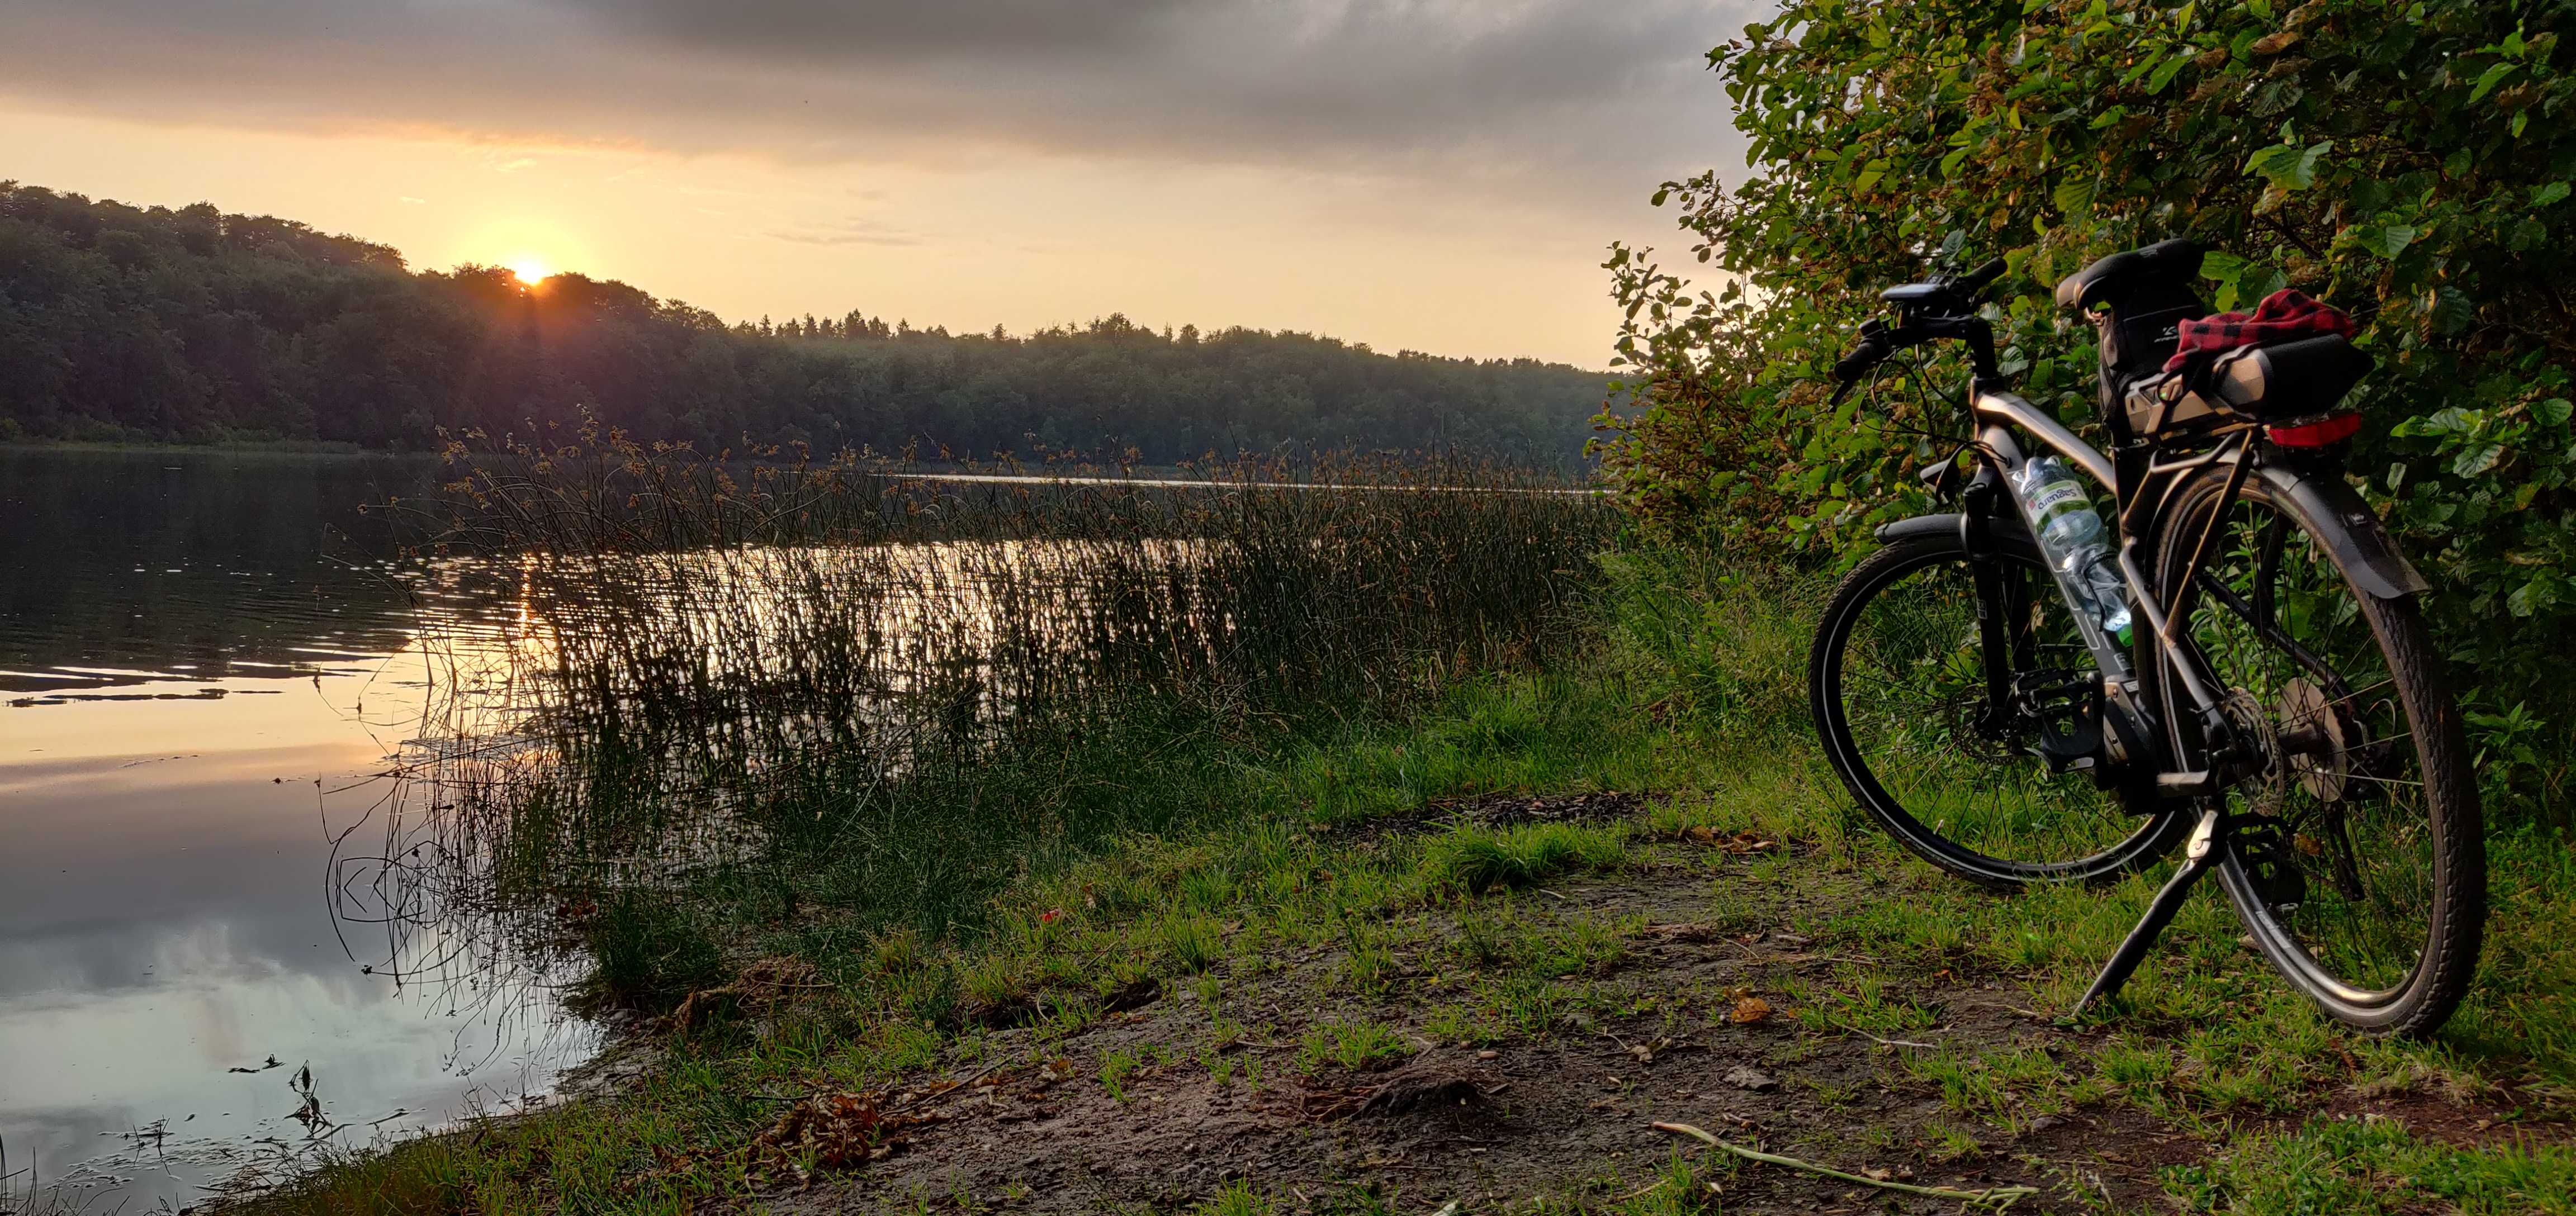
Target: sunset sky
(1431, 174)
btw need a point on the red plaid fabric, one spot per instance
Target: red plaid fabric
(2282, 316)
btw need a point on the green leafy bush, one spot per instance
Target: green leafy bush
(2410, 163)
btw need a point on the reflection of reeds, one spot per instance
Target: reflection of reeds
(21, 1190)
(826, 684)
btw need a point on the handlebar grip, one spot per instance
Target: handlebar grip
(1862, 358)
(1976, 280)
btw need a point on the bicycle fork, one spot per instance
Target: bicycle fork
(2198, 856)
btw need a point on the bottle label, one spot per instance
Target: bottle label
(2051, 499)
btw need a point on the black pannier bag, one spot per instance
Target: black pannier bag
(2275, 382)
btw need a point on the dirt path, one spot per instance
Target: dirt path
(1705, 996)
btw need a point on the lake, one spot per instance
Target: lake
(209, 680)
(311, 840)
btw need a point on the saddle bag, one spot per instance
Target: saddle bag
(2144, 325)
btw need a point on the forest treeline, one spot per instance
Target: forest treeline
(129, 323)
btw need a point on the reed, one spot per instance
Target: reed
(822, 698)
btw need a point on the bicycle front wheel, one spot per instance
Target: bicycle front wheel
(2358, 860)
(1898, 684)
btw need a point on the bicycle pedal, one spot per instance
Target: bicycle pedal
(2264, 846)
(2064, 755)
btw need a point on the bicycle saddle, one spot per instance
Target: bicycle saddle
(2173, 263)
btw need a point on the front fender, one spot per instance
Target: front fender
(2004, 529)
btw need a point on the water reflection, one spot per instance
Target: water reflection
(212, 681)
(121, 568)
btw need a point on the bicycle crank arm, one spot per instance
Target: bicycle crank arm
(2198, 856)
(2198, 783)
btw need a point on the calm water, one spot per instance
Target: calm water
(207, 673)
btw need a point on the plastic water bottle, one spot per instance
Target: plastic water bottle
(2072, 538)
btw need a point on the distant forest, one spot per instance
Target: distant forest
(191, 325)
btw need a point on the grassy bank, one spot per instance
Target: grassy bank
(1468, 949)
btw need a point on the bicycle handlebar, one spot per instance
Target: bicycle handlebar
(1978, 280)
(1938, 309)
(1854, 365)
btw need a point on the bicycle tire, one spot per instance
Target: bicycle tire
(2453, 895)
(2159, 823)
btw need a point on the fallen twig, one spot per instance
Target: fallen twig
(1649, 1188)
(969, 1079)
(1894, 1042)
(1997, 1198)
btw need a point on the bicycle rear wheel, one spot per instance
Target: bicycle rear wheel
(2358, 860)
(1896, 680)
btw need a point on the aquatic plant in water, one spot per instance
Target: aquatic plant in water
(841, 694)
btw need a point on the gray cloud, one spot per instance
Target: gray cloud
(1564, 97)
(887, 29)
(850, 232)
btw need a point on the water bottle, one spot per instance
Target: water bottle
(2071, 537)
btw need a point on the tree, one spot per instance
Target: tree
(2411, 163)
(124, 323)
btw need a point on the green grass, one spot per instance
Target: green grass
(1475, 860)
(2365, 1167)
(1354, 1046)
(1686, 695)
(649, 952)
(1116, 1065)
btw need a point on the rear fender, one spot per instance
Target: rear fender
(2334, 513)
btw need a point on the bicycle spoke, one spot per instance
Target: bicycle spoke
(1915, 702)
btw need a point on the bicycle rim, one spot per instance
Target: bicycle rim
(1897, 681)
(2356, 860)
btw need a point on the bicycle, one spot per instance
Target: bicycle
(2278, 707)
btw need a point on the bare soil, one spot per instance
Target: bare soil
(1564, 1115)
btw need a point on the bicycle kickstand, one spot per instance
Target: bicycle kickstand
(2198, 856)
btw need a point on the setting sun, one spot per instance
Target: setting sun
(530, 270)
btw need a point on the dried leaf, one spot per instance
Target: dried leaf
(1754, 1079)
(1749, 1010)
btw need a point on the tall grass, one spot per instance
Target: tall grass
(826, 698)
